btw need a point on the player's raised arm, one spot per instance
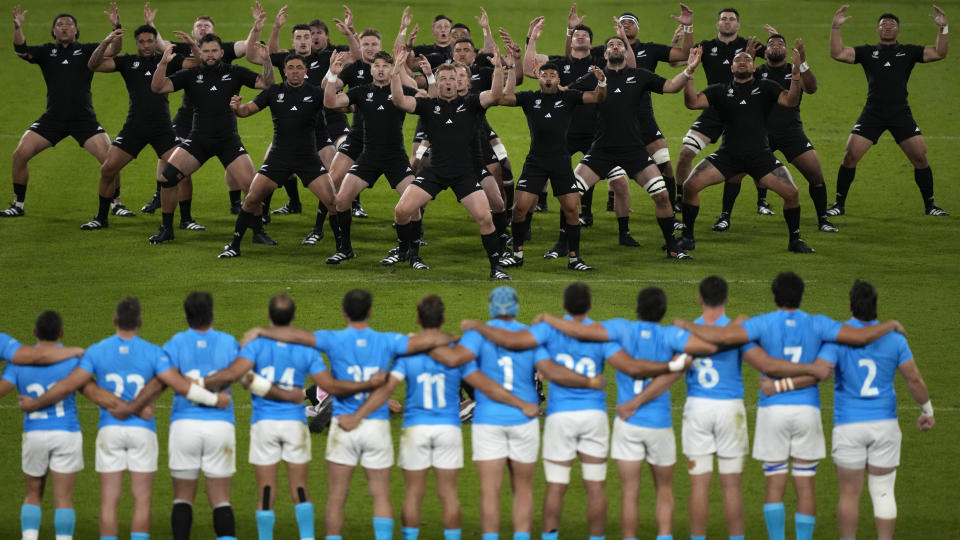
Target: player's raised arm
(629, 59)
(488, 44)
(98, 61)
(791, 97)
(682, 52)
(400, 100)
(691, 98)
(113, 15)
(332, 97)
(19, 40)
(838, 51)
(808, 82)
(939, 50)
(573, 20)
(149, 19)
(531, 60)
(161, 83)
(489, 98)
(246, 47)
(598, 94)
(267, 73)
(273, 42)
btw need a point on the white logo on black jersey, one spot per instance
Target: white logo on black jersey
(764, 74)
(786, 76)
(475, 77)
(461, 108)
(522, 182)
(136, 64)
(743, 102)
(225, 77)
(617, 91)
(213, 88)
(448, 121)
(713, 51)
(901, 54)
(280, 97)
(148, 74)
(77, 52)
(199, 78)
(558, 105)
(380, 108)
(314, 64)
(755, 92)
(436, 110)
(641, 53)
(308, 99)
(53, 52)
(729, 92)
(630, 80)
(293, 108)
(876, 54)
(64, 61)
(369, 96)
(726, 62)
(566, 68)
(359, 73)
(547, 115)
(536, 103)
(886, 64)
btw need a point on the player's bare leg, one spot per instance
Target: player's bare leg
(111, 489)
(730, 486)
(338, 486)
(447, 491)
(414, 487)
(629, 472)
(378, 484)
(700, 498)
(141, 489)
(663, 483)
(850, 487)
(553, 499)
(915, 149)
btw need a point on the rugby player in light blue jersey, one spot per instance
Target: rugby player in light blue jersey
(714, 417)
(866, 434)
(789, 424)
(358, 355)
(501, 433)
(431, 422)
(278, 424)
(577, 422)
(123, 364)
(52, 442)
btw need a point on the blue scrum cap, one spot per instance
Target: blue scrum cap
(504, 302)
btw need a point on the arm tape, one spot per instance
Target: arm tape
(259, 386)
(202, 396)
(678, 363)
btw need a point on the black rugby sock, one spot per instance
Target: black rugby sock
(223, 522)
(185, 210)
(500, 222)
(792, 217)
(508, 194)
(761, 194)
(104, 210)
(292, 191)
(671, 183)
(234, 195)
(623, 225)
(844, 179)
(542, 199)
(924, 180)
(491, 245)
(181, 518)
(819, 196)
(267, 200)
(346, 219)
(167, 219)
(562, 239)
(610, 198)
(573, 239)
(519, 234)
(666, 228)
(244, 221)
(20, 192)
(116, 193)
(321, 215)
(689, 219)
(418, 228)
(337, 233)
(730, 192)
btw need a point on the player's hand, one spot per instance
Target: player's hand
(113, 14)
(574, 20)
(424, 65)
(483, 20)
(347, 422)
(686, 16)
(235, 106)
(939, 18)
(120, 411)
(27, 404)
(342, 27)
(281, 18)
(348, 17)
(508, 42)
(259, 16)
(470, 324)
(821, 369)
(394, 406)
(598, 73)
(18, 16)
(378, 379)
(223, 400)
(250, 334)
(626, 410)
(840, 16)
(620, 31)
(682, 323)
(495, 60)
(753, 45)
(598, 382)
(770, 30)
(168, 55)
(539, 318)
(925, 423)
(799, 52)
(535, 28)
(146, 413)
(340, 57)
(182, 36)
(767, 387)
(113, 36)
(530, 410)
(149, 15)
(694, 59)
(897, 327)
(740, 318)
(413, 36)
(677, 38)
(406, 19)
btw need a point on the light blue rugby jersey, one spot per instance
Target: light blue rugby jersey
(8, 346)
(863, 386)
(584, 357)
(287, 365)
(719, 376)
(123, 366)
(34, 381)
(356, 355)
(795, 336)
(514, 370)
(433, 390)
(648, 341)
(198, 354)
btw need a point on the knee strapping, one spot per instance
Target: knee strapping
(730, 465)
(594, 472)
(616, 172)
(700, 464)
(661, 156)
(805, 469)
(421, 150)
(556, 474)
(655, 185)
(775, 467)
(881, 493)
(580, 182)
(693, 141)
(172, 174)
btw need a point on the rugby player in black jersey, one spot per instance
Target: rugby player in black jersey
(210, 87)
(295, 107)
(451, 120)
(148, 119)
(887, 66)
(742, 107)
(717, 59)
(69, 103)
(383, 150)
(784, 127)
(548, 113)
(619, 137)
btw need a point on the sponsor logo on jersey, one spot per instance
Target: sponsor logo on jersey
(136, 64)
(886, 64)
(536, 103)
(225, 77)
(213, 88)
(558, 105)
(901, 54)
(641, 53)
(77, 52)
(369, 96)
(449, 121)
(755, 92)
(617, 91)
(631, 80)
(308, 99)
(294, 108)
(380, 108)
(743, 102)
(461, 108)
(280, 97)
(547, 115)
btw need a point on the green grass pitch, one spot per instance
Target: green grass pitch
(46, 262)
